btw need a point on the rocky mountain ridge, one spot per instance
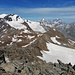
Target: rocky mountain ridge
(67, 29)
(16, 31)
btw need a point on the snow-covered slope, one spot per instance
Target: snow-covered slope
(15, 21)
(3, 15)
(36, 26)
(55, 52)
(16, 24)
(55, 41)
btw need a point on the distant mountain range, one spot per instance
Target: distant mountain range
(67, 29)
(18, 31)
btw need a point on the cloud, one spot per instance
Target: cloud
(42, 11)
(68, 11)
(65, 12)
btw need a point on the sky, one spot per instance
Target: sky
(38, 9)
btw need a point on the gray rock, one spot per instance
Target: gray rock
(8, 67)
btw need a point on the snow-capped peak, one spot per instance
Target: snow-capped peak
(3, 15)
(14, 21)
(13, 17)
(43, 19)
(56, 21)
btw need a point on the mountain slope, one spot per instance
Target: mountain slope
(36, 26)
(66, 55)
(67, 29)
(24, 43)
(14, 30)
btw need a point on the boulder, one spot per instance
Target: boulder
(8, 67)
(2, 57)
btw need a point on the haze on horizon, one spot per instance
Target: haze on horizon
(38, 9)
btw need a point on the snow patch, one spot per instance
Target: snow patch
(11, 43)
(40, 35)
(64, 44)
(2, 42)
(55, 41)
(8, 36)
(2, 26)
(7, 59)
(71, 42)
(2, 36)
(54, 29)
(30, 37)
(57, 36)
(4, 30)
(14, 39)
(30, 43)
(19, 40)
(66, 55)
(20, 36)
(26, 31)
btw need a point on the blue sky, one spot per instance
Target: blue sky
(38, 9)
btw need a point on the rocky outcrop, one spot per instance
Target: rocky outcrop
(8, 67)
(37, 68)
(2, 57)
(23, 61)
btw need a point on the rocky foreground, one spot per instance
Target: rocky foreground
(33, 67)
(21, 42)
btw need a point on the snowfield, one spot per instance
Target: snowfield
(16, 24)
(36, 26)
(66, 55)
(55, 41)
(3, 15)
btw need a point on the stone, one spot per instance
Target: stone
(2, 57)
(8, 67)
(74, 67)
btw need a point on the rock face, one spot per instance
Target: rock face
(8, 67)
(2, 57)
(38, 68)
(24, 60)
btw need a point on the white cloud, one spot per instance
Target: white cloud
(46, 10)
(65, 12)
(42, 11)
